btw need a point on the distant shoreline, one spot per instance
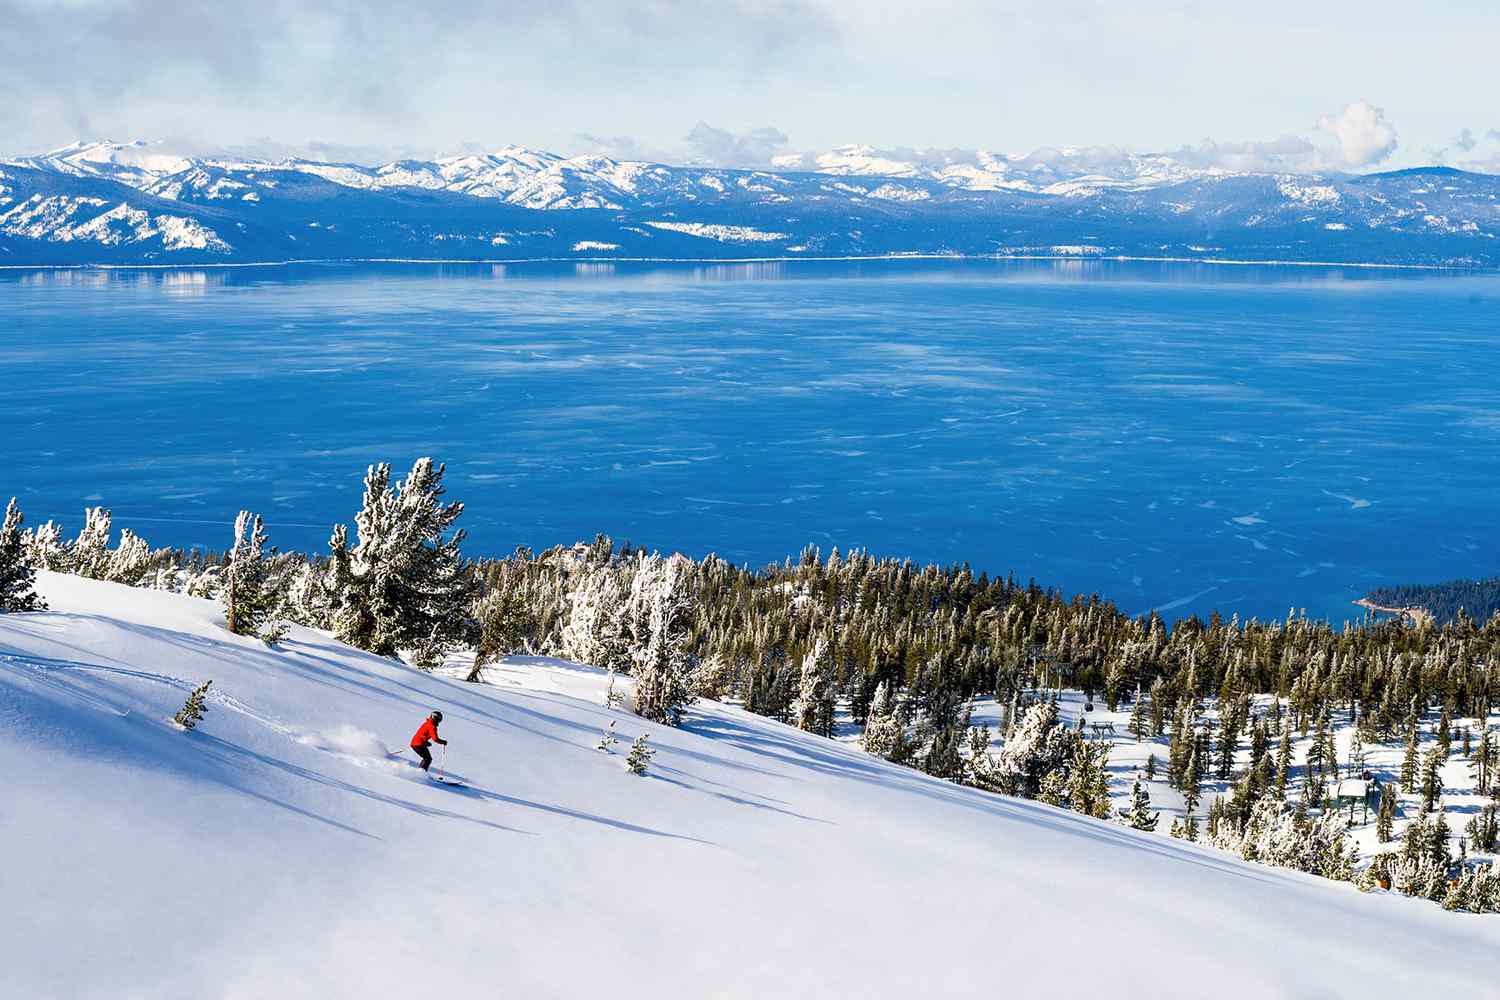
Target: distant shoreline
(1419, 616)
(1076, 258)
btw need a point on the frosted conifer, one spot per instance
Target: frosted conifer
(882, 730)
(47, 548)
(815, 699)
(403, 586)
(1139, 816)
(17, 572)
(659, 612)
(243, 590)
(608, 739)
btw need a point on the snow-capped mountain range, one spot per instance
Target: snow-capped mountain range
(139, 203)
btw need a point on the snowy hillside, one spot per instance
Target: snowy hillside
(275, 850)
(138, 203)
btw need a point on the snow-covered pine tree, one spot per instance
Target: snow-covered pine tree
(47, 548)
(1040, 747)
(17, 573)
(1139, 722)
(1410, 760)
(1482, 764)
(608, 739)
(1441, 834)
(594, 632)
(243, 591)
(882, 732)
(1283, 762)
(1432, 778)
(1385, 814)
(1139, 816)
(1151, 768)
(1088, 782)
(191, 713)
(1053, 790)
(502, 617)
(659, 613)
(1483, 830)
(814, 708)
(1356, 754)
(403, 586)
(639, 758)
(90, 550)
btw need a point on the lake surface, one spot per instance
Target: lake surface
(1185, 437)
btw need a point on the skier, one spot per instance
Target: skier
(425, 736)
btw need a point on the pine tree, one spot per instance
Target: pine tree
(191, 713)
(1138, 721)
(639, 758)
(608, 739)
(1139, 816)
(1283, 762)
(1483, 830)
(1441, 833)
(503, 618)
(815, 698)
(1151, 768)
(1483, 761)
(594, 632)
(17, 573)
(1385, 815)
(403, 586)
(1192, 780)
(659, 613)
(1410, 760)
(1356, 754)
(1088, 782)
(1053, 790)
(882, 731)
(1432, 778)
(244, 593)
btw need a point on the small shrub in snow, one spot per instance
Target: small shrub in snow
(274, 632)
(613, 697)
(640, 755)
(192, 710)
(608, 739)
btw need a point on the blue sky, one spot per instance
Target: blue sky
(373, 79)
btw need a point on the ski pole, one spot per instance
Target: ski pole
(445, 758)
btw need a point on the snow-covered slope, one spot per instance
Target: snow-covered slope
(276, 851)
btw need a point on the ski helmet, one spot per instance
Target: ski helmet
(436, 716)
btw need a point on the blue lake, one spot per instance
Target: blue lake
(1174, 436)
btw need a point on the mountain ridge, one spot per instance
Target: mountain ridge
(138, 203)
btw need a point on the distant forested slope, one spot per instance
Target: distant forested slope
(1480, 598)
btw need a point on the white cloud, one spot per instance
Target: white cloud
(1364, 136)
(721, 148)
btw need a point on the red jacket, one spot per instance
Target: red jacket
(426, 734)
